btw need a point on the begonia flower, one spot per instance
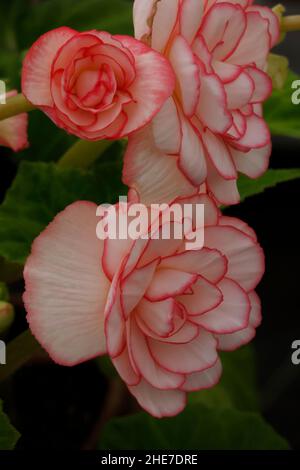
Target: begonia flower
(162, 312)
(212, 127)
(96, 85)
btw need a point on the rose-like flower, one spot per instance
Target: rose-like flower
(95, 85)
(13, 131)
(160, 311)
(212, 128)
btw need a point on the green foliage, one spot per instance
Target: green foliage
(280, 113)
(249, 187)
(198, 427)
(109, 15)
(40, 191)
(9, 436)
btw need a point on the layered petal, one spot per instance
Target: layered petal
(37, 65)
(66, 289)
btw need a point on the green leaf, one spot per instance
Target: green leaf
(114, 16)
(280, 113)
(237, 387)
(197, 428)
(9, 436)
(249, 187)
(40, 191)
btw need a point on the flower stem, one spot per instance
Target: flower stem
(290, 23)
(19, 352)
(83, 153)
(16, 105)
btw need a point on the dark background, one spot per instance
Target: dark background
(56, 406)
(274, 216)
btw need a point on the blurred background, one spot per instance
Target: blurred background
(57, 408)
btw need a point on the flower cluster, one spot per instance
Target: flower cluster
(188, 93)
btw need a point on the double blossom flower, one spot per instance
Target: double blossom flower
(162, 312)
(212, 127)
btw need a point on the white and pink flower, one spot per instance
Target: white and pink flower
(212, 127)
(13, 131)
(161, 312)
(96, 85)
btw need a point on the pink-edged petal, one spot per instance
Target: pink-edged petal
(123, 365)
(154, 175)
(146, 364)
(169, 283)
(159, 403)
(161, 244)
(115, 248)
(183, 331)
(239, 126)
(253, 163)
(187, 333)
(191, 14)
(254, 46)
(232, 314)
(257, 133)
(134, 286)
(233, 341)
(203, 380)
(66, 289)
(138, 249)
(114, 325)
(219, 154)
(157, 316)
(224, 191)
(192, 156)
(203, 55)
(239, 224)
(187, 72)
(153, 85)
(206, 262)
(114, 253)
(274, 26)
(13, 132)
(222, 28)
(211, 211)
(240, 91)
(212, 105)
(167, 128)
(205, 297)
(242, 3)
(262, 85)
(245, 257)
(164, 21)
(195, 356)
(225, 71)
(143, 13)
(36, 72)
